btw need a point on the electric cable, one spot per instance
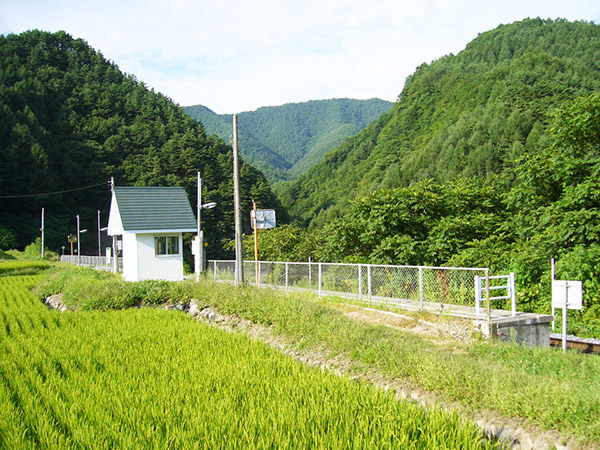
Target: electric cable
(54, 193)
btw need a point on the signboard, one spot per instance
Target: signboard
(569, 292)
(265, 218)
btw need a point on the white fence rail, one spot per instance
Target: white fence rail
(502, 283)
(457, 290)
(96, 262)
(412, 287)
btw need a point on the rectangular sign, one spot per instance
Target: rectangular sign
(265, 218)
(569, 292)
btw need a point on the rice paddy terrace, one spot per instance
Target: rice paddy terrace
(151, 378)
(113, 376)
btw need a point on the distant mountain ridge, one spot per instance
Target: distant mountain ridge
(285, 141)
(473, 114)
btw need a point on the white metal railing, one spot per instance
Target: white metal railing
(508, 287)
(416, 287)
(96, 262)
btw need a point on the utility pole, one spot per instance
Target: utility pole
(239, 263)
(199, 260)
(255, 223)
(42, 233)
(114, 238)
(99, 244)
(78, 246)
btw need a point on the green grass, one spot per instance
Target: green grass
(4, 256)
(548, 388)
(155, 379)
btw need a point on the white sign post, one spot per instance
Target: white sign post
(566, 295)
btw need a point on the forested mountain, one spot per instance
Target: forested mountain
(490, 158)
(285, 141)
(547, 206)
(470, 114)
(70, 119)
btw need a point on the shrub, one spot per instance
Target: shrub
(8, 240)
(34, 251)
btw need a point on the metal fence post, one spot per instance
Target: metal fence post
(320, 279)
(477, 295)
(369, 282)
(215, 270)
(360, 282)
(286, 276)
(421, 290)
(258, 274)
(489, 308)
(309, 274)
(513, 297)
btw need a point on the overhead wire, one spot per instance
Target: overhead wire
(103, 206)
(54, 193)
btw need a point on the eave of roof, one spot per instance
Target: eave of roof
(154, 209)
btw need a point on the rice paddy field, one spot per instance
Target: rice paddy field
(156, 379)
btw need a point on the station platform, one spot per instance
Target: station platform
(524, 328)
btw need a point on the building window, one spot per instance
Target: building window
(166, 245)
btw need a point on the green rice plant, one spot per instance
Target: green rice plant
(488, 375)
(150, 378)
(514, 381)
(11, 268)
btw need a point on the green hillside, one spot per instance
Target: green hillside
(470, 114)
(490, 158)
(252, 150)
(285, 141)
(70, 119)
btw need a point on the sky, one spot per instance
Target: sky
(235, 55)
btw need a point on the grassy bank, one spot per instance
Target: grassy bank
(154, 379)
(551, 389)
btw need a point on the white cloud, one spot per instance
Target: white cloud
(239, 55)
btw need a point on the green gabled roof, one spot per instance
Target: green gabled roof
(144, 208)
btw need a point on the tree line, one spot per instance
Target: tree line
(547, 205)
(70, 119)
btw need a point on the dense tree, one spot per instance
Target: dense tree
(70, 119)
(547, 205)
(285, 141)
(464, 115)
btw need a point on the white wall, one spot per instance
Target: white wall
(130, 260)
(115, 225)
(162, 267)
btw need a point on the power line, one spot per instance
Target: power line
(54, 193)
(103, 206)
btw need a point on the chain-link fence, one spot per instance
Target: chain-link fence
(413, 287)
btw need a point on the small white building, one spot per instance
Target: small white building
(151, 221)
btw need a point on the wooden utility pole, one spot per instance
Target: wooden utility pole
(198, 257)
(239, 262)
(42, 233)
